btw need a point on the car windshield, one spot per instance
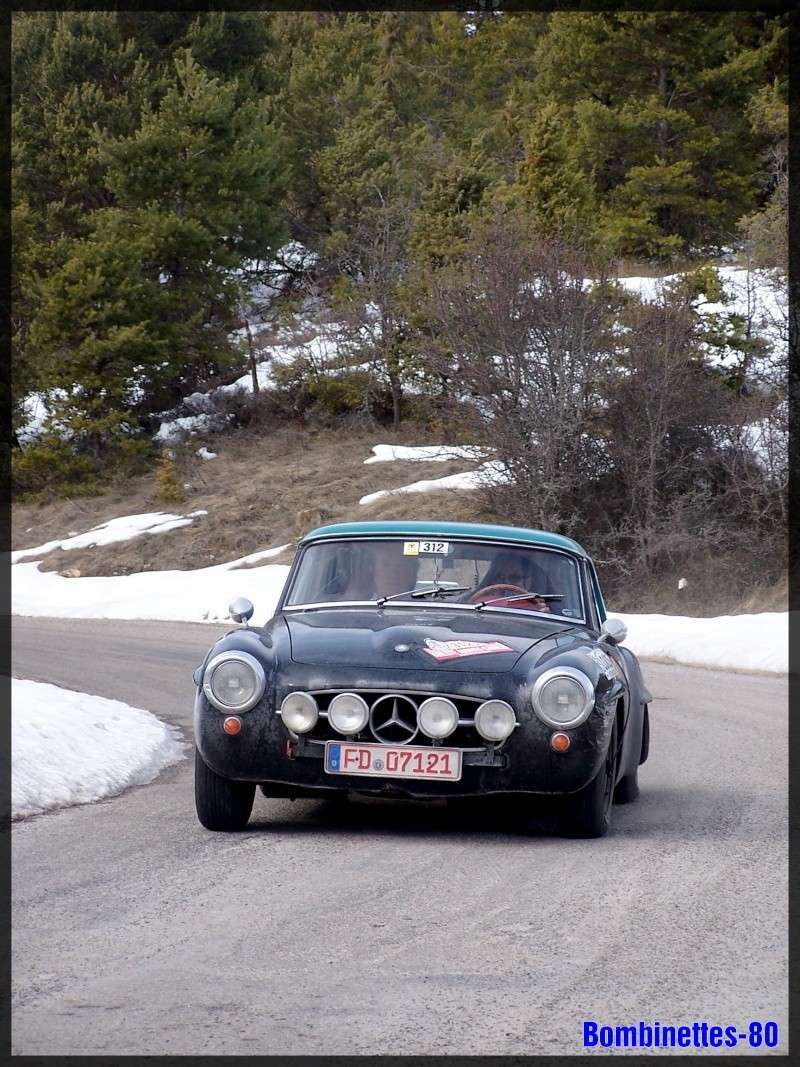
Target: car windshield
(424, 573)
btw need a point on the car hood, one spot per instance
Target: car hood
(422, 639)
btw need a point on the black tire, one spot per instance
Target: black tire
(627, 788)
(221, 804)
(587, 813)
(645, 736)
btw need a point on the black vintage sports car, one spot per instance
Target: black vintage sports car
(420, 659)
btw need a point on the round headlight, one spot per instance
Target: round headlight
(437, 717)
(234, 681)
(495, 720)
(299, 712)
(348, 713)
(563, 697)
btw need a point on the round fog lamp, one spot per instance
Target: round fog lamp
(437, 717)
(495, 720)
(299, 712)
(348, 713)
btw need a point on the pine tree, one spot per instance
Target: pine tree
(656, 107)
(152, 181)
(551, 183)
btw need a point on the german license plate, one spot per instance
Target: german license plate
(387, 761)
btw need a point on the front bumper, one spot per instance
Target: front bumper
(265, 752)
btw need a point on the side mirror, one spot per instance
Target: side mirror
(241, 610)
(614, 631)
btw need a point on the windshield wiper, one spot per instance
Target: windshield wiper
(519, 596)
(438, 591)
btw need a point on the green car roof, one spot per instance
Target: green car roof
(434, 530)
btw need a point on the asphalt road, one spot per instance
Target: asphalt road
(392, 928)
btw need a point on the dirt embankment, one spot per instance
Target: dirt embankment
(262, 490)
(268, 489)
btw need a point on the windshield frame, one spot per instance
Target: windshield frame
(424, 602)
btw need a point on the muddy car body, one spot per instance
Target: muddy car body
(457, 685)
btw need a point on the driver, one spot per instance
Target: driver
(512, 568)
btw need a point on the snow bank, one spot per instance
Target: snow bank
(760, 296)
(486, 474)
(746, 291)
(125, 528)
(423, 453)
(175, 429)
(72, 748)
(183, 596)
(320, 349)
(743, 642)
(34, 411)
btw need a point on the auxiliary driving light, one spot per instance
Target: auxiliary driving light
(299, 712)
(348, 713)
(437, 717)
(232, 725)
(495, 720)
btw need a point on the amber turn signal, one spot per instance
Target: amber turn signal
(559, 742)
(232, 725)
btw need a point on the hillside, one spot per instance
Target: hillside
(266, 490)
(261, 490)
(250, 247)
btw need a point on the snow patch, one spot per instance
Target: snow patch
(741, 642)
(201, 595)
(423, 453)
(204, 453)
(760, 297)
(72, 748)
(490, 473)
(175, 429)
(124, 528)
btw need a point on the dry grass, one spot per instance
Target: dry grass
(721, 585)
(263, 490)
(269, 488)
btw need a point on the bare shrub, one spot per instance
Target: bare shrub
(605, 417)
(369, 296)
(531, 343)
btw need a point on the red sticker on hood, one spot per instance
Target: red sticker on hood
(459, 649)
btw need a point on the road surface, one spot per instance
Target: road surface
(392, 928)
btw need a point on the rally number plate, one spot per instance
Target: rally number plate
(387, 761)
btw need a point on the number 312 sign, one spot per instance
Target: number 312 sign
(426, 548)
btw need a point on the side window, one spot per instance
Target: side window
(586, 578)
(598, 604)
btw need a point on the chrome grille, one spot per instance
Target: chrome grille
(408, 701)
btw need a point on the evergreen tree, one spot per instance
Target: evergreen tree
(143, 182)
(656, 107)
(552, 184)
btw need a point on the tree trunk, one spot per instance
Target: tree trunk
(396, 398)
(253, 367)
(662, 99)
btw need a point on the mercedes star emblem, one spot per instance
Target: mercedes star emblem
(393, 719)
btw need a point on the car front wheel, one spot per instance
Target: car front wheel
(587, 813)
(221, 804)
